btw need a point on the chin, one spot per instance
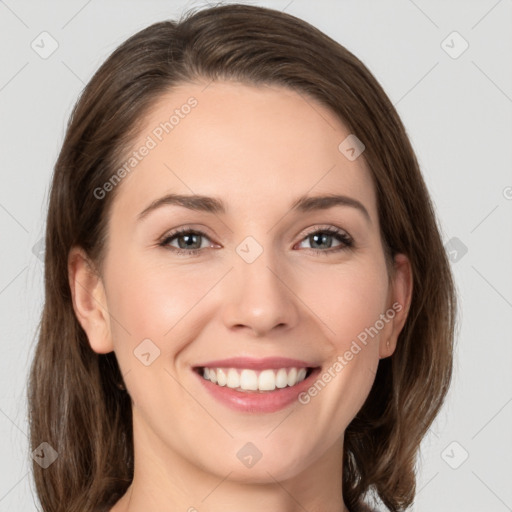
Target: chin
(262, 467)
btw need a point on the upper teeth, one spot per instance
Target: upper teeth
(267, 380)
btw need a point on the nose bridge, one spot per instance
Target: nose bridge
(257, 296)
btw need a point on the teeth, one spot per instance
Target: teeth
(221, 377)
(281, 378)
(292, 376)
(267, 380)
(250, 380)
(233, 379)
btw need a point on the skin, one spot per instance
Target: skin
(258, 149)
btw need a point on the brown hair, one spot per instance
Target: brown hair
(74, 401)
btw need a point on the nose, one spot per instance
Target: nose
(259, 296)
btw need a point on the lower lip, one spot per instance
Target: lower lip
(254, 401)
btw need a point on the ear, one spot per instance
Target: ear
(399, 301)
(89, 301)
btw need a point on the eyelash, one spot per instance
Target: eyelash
(346, 241)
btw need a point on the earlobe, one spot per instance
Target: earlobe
(89, 301)
(399, 303)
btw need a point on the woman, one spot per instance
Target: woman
(193, 353)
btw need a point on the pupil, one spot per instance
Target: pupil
(188, 239)
(323, 236)
(320, 239)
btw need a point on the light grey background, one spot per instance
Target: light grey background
(458, 113)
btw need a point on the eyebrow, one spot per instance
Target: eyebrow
(217, 206)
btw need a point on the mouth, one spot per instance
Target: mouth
(248, 380)
(249, 390)
(251, 385)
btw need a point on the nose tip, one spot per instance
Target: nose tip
(261, 327)
(258, 299)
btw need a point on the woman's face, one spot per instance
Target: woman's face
(267, 281)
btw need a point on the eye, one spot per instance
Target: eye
(189, 241)
(191, 244)
(323, 238)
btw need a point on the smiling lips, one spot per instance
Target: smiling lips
(251, 380)
(260, 375)
(256, 385)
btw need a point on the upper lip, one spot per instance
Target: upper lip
(257, 364)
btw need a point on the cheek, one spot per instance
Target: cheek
(348, 299)
(150, 297)
(158, 303)
(152, 300)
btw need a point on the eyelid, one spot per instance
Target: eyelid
(201, 230)
(332, 230)
(347, 241)
(175, 233)
(325, 227)
(308, 231)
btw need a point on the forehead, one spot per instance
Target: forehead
(256, 146)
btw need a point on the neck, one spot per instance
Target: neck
(166, 481)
